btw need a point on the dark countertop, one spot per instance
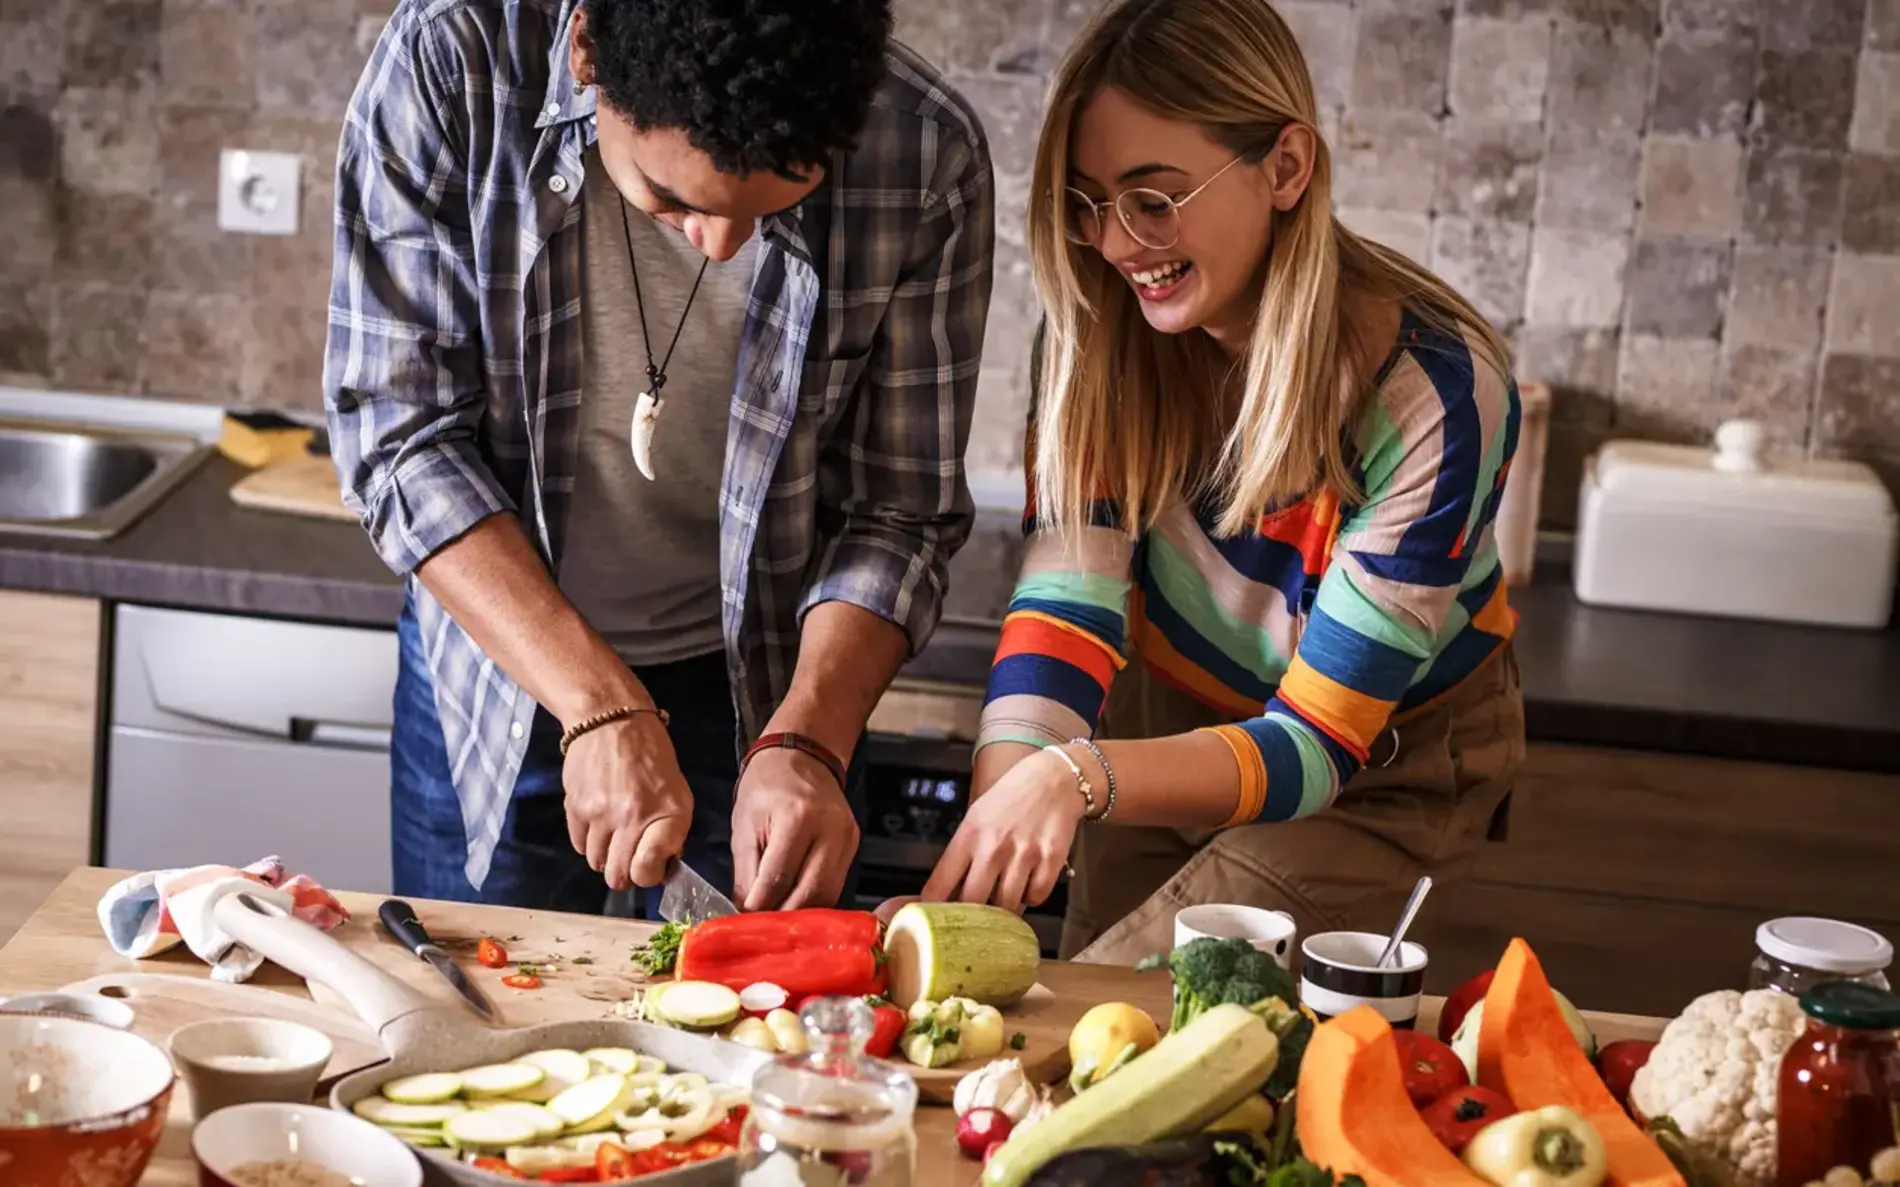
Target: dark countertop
(1609, 677)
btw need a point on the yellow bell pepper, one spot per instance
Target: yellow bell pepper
(1549, 1147)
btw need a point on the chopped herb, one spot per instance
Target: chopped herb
(1018, 1041)
(582, 960)
(514, 939)
(559, 940)
(530, 970)
(662, 949)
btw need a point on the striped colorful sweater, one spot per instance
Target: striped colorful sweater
(1312, 631)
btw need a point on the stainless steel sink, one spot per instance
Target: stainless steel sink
(84, 482)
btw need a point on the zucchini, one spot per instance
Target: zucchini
(942, 950)
(490, 1129)
(563, 1068)
(419, 1137)
(501, 1079)
(430, 1089)
(622, 1060)
(386, 1112)
(697, 1005)
(585, 1104)
(546, 1123)
(1188, 1079)
(532, 1160)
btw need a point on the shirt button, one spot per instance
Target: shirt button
(515, 730)
(558, 184)
(551, 110)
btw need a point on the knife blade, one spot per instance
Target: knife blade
(686, 897)
(400, 919)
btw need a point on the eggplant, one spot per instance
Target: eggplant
(1203, 1160)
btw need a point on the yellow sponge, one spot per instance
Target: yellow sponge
(257, 439)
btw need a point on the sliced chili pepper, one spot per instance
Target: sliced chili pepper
(491, 954)
(815, 951)
(522, 981)
(569, 1174)
(887, 1027)
(707, 1148)
(729, 1129)
(497, 1166)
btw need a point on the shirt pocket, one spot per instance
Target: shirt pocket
(826, 385)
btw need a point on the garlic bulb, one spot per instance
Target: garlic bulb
(1000, 1085)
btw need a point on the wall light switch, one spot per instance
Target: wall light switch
(257, 192)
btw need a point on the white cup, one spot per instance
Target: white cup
(1272, 932)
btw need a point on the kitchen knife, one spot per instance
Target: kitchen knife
(686, 897)
(400, 918)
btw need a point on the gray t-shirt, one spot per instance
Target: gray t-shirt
(641, 560)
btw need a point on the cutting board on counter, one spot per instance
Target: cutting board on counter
(162, 1003)
(300, 485)
(586, 969)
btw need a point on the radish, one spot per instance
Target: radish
(980, 1129)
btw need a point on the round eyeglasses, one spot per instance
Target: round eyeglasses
(1151, 218)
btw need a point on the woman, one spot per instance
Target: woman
(1265, 459)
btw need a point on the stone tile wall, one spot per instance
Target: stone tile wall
(1681, 210)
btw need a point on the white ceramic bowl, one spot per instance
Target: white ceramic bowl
(350, 1146)
(238, 1061)
(97, 1007)
(79, 1102)
(1272, 932)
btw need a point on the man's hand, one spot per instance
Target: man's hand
(793, 835)
(628, 806)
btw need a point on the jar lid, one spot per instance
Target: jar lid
(1825, 945)
(1852, 1006)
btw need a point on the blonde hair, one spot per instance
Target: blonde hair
(1125, 412)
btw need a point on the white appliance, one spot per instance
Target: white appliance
(1730, 532)
(233, 738)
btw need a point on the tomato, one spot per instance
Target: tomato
(887, 1027)
(612, 1163)
(1456, 1117)
(1458, 1003)
(1430, 1068)
(522, 981)
(1618, 1064)
(497, 1166)
(491, 954)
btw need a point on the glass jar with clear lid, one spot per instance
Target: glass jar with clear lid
(831, 1117)
(1796, 953)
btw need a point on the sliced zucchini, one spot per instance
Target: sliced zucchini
(532, 1160)
(430, 1089)
(501, 1079)
(623, 1060)
(546, 1124)
(564, 1068)
(583, 1105)
(431, 1138)
(384, 1111)
(490, 1129)
(697, 1005)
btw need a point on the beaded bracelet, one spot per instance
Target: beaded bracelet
(1088, 744)
(589, 724)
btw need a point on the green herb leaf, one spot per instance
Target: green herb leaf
(1018, 1041)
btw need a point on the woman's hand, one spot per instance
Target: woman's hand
(1014, 841)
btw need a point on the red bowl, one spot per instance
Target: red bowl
(79, 1102)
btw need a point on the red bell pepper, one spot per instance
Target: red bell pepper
(814, 951)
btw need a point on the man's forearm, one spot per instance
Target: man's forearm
(847, 657)
(495, 586)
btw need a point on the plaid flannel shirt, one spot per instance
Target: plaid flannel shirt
(453, 372)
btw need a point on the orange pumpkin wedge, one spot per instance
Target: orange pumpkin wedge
(1527, 1052)
(1353, 1114)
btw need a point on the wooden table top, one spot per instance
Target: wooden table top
(62, 943)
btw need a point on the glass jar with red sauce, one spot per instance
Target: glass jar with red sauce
(1840, 1083)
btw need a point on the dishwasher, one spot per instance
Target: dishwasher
(232, 738)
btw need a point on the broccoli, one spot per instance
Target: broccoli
(1209, 972)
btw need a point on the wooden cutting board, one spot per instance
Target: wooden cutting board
(586, 969)
(162, 1003)
(301, 485)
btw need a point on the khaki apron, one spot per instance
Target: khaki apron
(1422, 805)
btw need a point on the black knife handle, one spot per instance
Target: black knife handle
(400, 918)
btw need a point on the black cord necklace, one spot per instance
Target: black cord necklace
(646, 411)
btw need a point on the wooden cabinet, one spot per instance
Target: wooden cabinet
(1640, 877)
(49, 678)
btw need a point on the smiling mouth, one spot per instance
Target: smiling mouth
(1161, 281)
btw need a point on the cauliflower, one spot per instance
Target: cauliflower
(1714, 1072)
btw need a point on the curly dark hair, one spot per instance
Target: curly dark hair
(756, 85)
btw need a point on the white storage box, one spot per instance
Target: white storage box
(1729, 532)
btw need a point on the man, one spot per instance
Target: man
(653, 343)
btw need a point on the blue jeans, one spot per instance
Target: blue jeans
(535, 864)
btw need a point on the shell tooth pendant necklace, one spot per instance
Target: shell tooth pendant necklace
(647, 409)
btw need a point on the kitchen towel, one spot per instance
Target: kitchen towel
(150, 913)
